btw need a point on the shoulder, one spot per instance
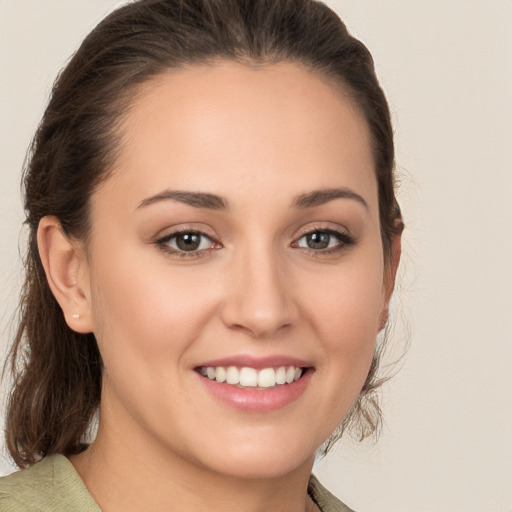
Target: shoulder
(51, 485)
(324, 499)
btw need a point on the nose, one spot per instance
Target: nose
(259, 298)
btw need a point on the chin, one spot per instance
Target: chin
(260, 458)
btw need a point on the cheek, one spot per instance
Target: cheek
(349, 298)
(345, 307)
(145, 313)
(146, 318)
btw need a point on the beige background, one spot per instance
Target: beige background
(446, 66)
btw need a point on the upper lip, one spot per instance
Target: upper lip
(256, 362)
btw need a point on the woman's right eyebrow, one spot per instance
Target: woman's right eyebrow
(195, 199)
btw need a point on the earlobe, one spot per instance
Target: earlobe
(65, 267)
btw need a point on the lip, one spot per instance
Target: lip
(258, 363)
(262, 399)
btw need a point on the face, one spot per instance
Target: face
(235, 268)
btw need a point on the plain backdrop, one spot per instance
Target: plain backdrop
(446, 66)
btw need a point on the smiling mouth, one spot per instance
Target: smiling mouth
(251, 378)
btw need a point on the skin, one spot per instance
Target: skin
(259, 138)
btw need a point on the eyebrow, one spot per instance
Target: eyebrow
(319, 197)
(196, 199)
(215, 202)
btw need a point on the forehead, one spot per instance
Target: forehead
(228, 128)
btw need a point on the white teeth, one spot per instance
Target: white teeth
(250, 377)
(267, 378)
(232, 375)
(281, 375)
(220, 374)
(290, 374)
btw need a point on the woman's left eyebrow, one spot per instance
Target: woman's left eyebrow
(196, 199)
(319, 197)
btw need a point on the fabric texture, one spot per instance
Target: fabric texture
(325, 501)
(53, 485)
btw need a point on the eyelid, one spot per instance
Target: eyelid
(326, 227)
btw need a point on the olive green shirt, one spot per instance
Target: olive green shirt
(53, 485)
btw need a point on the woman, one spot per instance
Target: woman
(214, 238)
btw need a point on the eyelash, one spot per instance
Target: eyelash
(343, 238)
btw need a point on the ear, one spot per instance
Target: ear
(390, 271)
(67, 273)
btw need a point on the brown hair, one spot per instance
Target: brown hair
(57, 372)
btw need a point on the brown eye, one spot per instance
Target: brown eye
(318, 240)
(325, 240)
(188, 241)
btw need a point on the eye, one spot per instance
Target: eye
(187, 242)
(324, 240)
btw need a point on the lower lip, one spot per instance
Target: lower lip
(258, 400)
